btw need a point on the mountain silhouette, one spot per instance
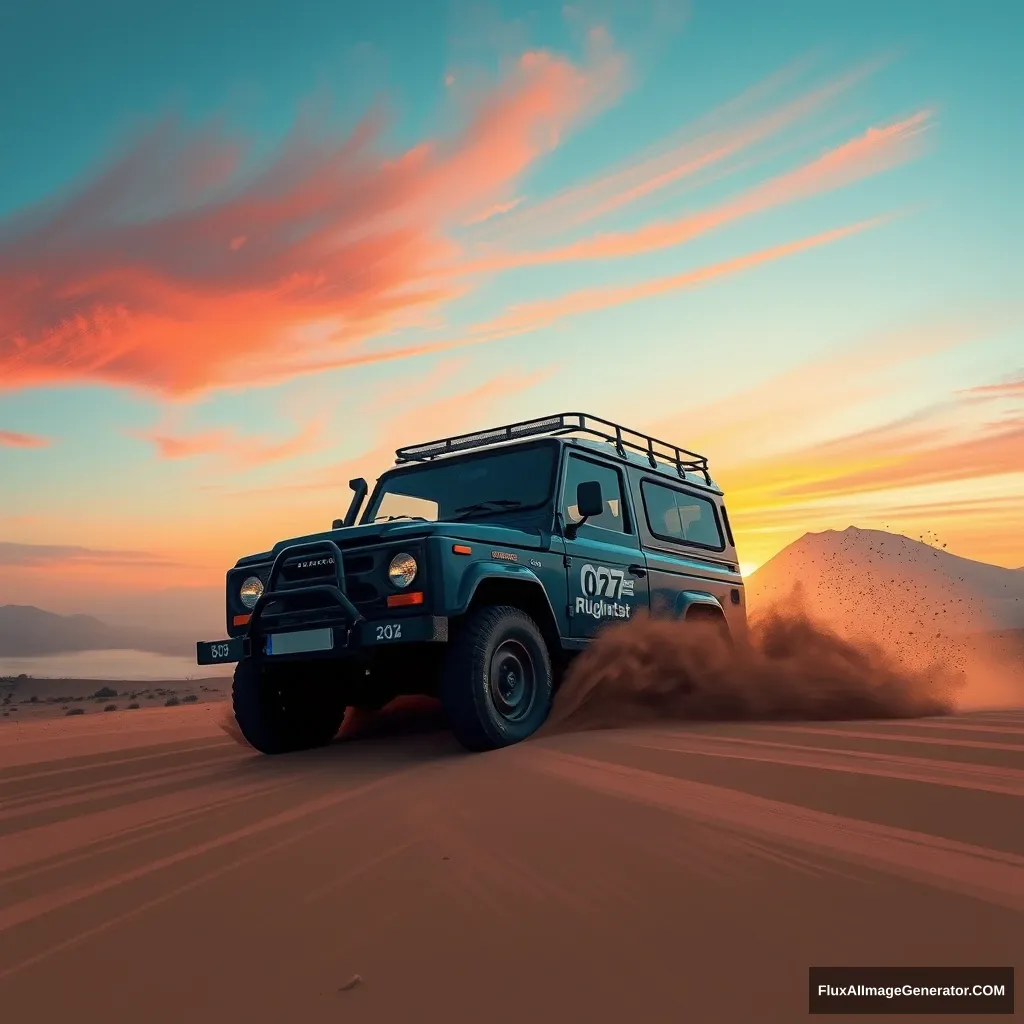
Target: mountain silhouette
(27, 632)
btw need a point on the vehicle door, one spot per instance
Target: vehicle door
(685, 548)
(606, 572)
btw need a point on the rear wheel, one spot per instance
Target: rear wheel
(285, 708)
(712, 621)
(496, 680)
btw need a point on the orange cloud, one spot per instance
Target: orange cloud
(876, 150)
(540, 314)
(1005, 389)
(899, 456)
(178, 268)
(13, 439)
(723, 133)
(410, 423)
(494, 211)
(803, 400)
(68, 555)
(243, 452)
(531, 316)
(865, 478)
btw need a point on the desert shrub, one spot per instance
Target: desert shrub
(110, 707)
(171, 702)
(133, 707)
(34, 699)
(105, 691)
(190, 699)
(75, 711)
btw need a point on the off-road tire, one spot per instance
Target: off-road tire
(284, 708)
(466, 684)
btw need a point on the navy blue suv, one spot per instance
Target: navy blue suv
(481, 564)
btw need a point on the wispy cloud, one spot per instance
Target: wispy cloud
(875, 150)
(180, 267)
(901, 456)
(14, 439)
(530, 316)
(1002, 389)
(241, 451)
(421, 415)
(806, 399)
(494, 211)
(713, 140)
(956, 462)
(69, 555)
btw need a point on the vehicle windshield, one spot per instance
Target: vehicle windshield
(467, 487)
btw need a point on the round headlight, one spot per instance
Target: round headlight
(402, 570)
(250, 591)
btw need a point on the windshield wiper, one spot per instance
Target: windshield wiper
(391, 519)
(494, 505)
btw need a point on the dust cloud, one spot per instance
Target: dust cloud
(787, 667)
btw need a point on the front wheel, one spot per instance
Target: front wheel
(280, 709)
(496, 681)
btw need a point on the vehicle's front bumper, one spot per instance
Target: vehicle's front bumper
(348, 642)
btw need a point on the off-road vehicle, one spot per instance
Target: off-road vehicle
(480, 565)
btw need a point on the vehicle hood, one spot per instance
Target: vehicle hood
(379, 533)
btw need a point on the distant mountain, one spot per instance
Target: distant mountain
(28, 632)
(878, 583)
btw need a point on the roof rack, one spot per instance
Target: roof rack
(564, 423)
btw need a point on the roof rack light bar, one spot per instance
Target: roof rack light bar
(563, 423)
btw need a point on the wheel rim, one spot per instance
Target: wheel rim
(513, 680)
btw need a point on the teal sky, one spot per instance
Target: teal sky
(149, 331)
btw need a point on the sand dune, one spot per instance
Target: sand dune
(923, 606)
(888, 585)
(153, 869)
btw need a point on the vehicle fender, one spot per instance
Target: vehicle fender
(688, 599)
(477, 572)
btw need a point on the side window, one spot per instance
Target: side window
(681, 517)
(580, 471)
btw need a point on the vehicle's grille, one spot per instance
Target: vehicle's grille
(360, 570)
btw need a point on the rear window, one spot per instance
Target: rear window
(681, 517)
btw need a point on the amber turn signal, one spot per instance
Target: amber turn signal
(404, 600)
(462, 549)
(241, 620)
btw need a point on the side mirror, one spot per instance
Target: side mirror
(589, 502)
(589, 499)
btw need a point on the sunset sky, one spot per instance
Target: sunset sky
(247, 249)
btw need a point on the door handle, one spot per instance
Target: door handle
(638, 571)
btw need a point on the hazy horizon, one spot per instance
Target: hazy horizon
(994, 613)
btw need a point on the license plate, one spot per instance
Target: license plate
(217, 651)
(301, 642)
